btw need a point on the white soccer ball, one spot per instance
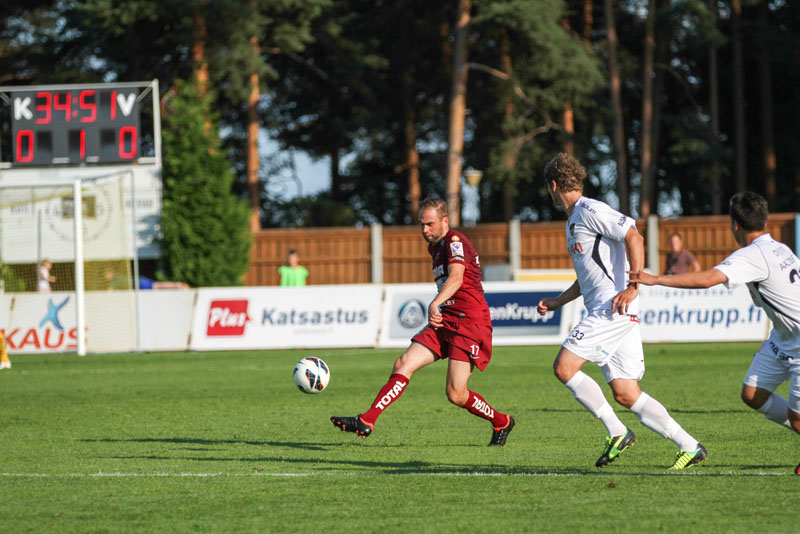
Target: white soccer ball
(311, 375)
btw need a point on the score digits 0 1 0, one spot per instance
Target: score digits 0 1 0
(75, 126)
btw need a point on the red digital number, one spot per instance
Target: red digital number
(26, 137)
(82, 149)
(90, 106)
(48, 98)
(64, 106)
(123, 132)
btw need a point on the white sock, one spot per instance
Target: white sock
(589, 394)
(654, 416)
(776, 409)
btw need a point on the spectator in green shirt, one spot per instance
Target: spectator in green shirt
(293, 274)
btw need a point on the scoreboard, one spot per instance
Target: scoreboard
(75, 126)
(52, 135)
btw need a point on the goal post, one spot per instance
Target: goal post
(70, 237)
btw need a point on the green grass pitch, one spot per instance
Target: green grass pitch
(224, 442)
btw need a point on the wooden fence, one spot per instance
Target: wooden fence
(344, 255)
(331, 255)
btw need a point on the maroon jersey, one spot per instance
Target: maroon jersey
(468, 304)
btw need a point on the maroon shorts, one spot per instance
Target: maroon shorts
(462, 342)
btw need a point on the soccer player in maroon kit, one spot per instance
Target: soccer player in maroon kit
(459, 328)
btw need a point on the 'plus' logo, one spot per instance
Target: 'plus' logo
(227, 318)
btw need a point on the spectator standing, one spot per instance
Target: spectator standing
(293, 274)
(45, 278)
(680, 260)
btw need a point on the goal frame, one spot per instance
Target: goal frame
(77, 183)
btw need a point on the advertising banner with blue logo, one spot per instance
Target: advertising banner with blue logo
(46, 322)
(511, 304)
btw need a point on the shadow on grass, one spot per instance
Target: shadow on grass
(320, 466)
(204, 441)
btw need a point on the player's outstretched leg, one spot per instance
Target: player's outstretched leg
(499, 435)
(364, 424)
(685, 459)
(353, 424)
(614, 446)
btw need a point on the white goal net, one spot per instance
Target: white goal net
(70, 263)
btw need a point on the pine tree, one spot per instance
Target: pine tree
(206, 240)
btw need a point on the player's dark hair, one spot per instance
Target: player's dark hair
(749, 210)
(566, 171)
(436, 203)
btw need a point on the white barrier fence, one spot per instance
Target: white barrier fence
(246, 318)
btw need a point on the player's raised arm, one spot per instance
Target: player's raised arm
(694, 280)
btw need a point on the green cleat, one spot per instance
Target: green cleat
(614, 446)
(686, 459)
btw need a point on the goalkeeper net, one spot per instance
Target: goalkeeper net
(39, 253)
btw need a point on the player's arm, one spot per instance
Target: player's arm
(634, 242)
(552, 304)
(695, 280)
(455, 277)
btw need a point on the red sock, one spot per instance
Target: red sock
(476, 405)
(389, 393)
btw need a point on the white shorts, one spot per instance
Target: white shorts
(610, 340)
(769, 369)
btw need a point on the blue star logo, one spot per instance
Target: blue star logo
(52, 314)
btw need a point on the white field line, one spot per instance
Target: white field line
(101, 474)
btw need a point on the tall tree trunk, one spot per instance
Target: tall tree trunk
(661, 57)
(336, 177)
(412, 163)
(253, 160)
(510, 154)
(645, 207)
(588, 18)
(713, 99)
(411, 158)
(458, 106)
(616, 105)
(199, 49)
(199, 57)
(740, 169)
(767, 134)
(567, 115)
(568, 125)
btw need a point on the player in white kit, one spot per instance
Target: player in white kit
(772, 274)
(597, 236)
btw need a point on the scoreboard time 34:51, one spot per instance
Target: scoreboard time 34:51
(89, 125)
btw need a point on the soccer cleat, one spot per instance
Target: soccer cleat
(685, 459)
(499, 435)
(353, 424)
(797, 470)
(614, 446)
(5, 365)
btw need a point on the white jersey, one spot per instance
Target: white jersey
(772, 274)
(596, 243)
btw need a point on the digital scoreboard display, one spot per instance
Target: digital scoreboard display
(73, 127)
